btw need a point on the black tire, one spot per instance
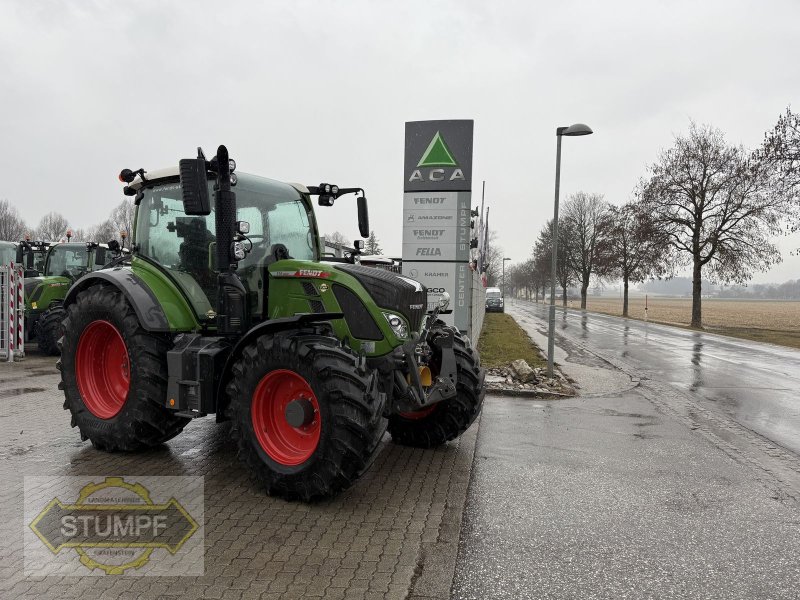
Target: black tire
(449, 418)
(143, 421)
(49, 329)
(351, 422)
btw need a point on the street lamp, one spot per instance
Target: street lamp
(504, 278)
(572, 130)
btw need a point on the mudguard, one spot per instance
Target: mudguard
(271, 326)
(142, 299)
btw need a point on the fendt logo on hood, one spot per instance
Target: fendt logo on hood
(438, 157)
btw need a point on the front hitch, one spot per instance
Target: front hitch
(413, 395)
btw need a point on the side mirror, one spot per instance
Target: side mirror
(113, 245)
(358, 245)
(194, 187)
(363, 217)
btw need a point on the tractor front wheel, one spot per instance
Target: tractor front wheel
(439, 423)
(307, 414)
(50, 328)
(114, 374)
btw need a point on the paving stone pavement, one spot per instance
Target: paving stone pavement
(393, 535)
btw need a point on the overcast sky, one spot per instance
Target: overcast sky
(320, 91)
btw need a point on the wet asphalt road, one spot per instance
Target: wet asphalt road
(757, 385)
(611, 498)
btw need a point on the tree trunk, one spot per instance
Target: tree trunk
(697, 290)
(625, 297)
(564, 296)
(584, 290)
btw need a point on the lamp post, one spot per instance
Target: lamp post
(504, 278)
(572, 130)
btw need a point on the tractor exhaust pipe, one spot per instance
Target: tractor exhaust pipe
(231, 293)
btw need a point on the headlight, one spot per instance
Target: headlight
(238, 251)
(397, 324)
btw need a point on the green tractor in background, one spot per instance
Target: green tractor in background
(32, 254)
(45, 289)
(225, 307)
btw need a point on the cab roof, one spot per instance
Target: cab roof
(172, 172)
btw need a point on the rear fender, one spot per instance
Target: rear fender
(148, 309)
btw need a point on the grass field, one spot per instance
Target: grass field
(773, 321)
(502, 341)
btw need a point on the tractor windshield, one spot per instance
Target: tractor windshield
(185, 246)
(67, 260)
(8, 253)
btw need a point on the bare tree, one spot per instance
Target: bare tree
(543, 252)
(336, 238)
(588, 218)
(12, 227)
(102, 232)
(525, 277)
(121, 220)
(52, 227)
(494, 259)
(635, 249)
(781, 153)
(712, 200)
(80, 235)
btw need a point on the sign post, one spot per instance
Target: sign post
(436, 212)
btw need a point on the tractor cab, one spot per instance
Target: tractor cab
(32, 254)
(280, 224)
(76, 259)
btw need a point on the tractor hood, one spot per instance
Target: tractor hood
(394, 292)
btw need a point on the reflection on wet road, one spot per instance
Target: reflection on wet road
(758, 385)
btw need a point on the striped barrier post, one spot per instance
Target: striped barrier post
(19, 342)
(11, 311)
(4, 270)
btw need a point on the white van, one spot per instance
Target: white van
(494, 300)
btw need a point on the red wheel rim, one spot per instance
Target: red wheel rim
(285, 444)
(103, 369)
(419, 414)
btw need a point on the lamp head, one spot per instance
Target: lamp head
(575, 129)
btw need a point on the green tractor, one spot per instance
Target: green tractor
(225, 307)
(45, 289)
(32, 254)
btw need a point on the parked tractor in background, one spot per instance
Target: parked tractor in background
(226, 307)
(32, 254)
(45, 290)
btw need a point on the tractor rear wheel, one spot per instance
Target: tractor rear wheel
(307, 414)
(439, 423)
(50, 328)
(114, 374)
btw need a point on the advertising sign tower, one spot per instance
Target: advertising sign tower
(436, 212)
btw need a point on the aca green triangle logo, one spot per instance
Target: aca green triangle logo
(437, 154)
